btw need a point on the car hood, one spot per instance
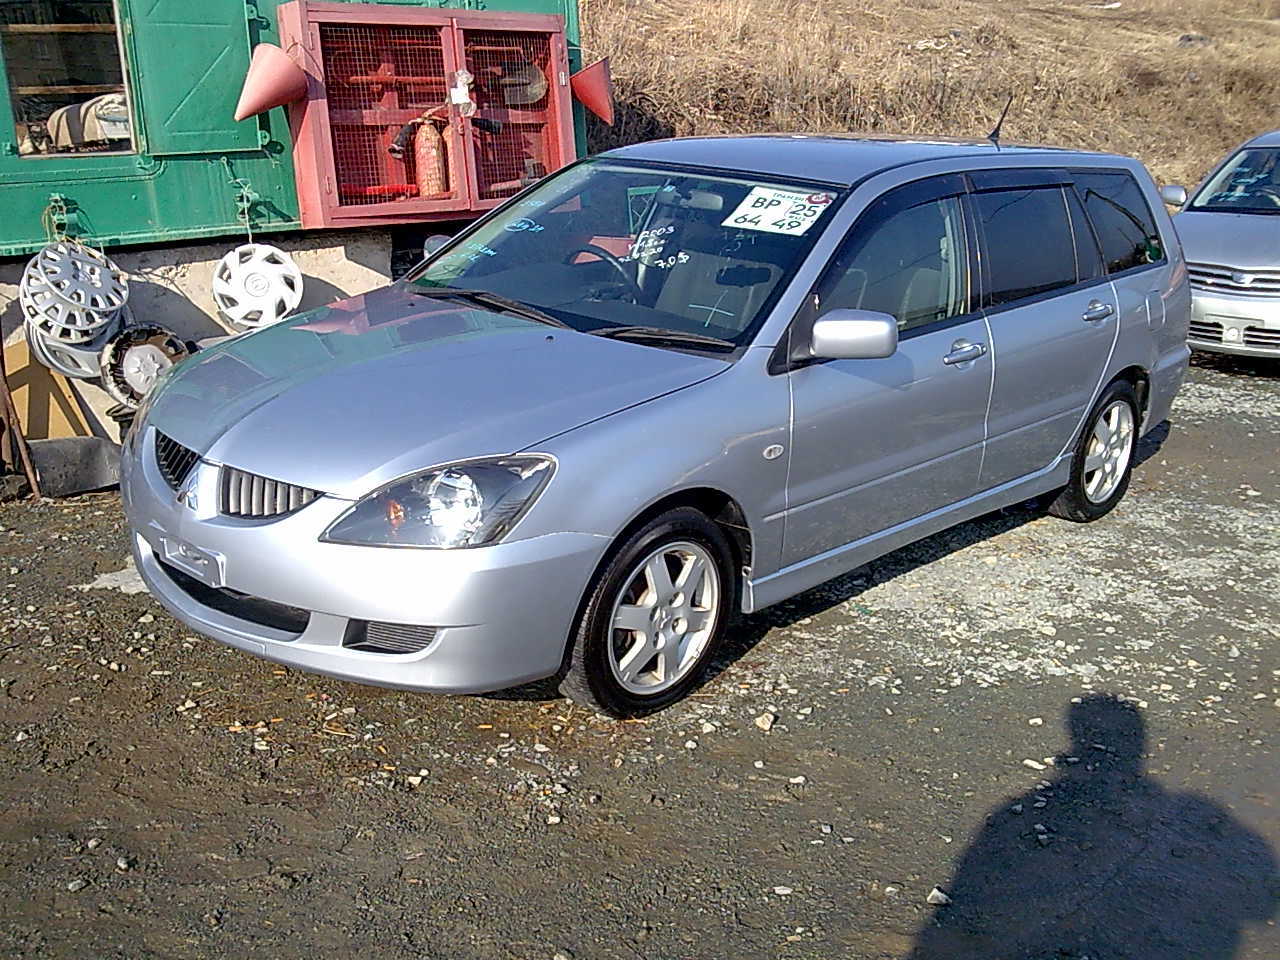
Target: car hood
(351, 396)
(1248, 241)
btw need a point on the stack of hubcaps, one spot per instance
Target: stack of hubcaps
(77, 320)
(73, 300)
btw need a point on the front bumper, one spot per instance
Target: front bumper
(1245, 326)
(502, 614)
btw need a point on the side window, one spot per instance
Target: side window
(1089, 264)
(911, 263)
(1029, 246)
(1120, 214)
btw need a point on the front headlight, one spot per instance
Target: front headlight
(466, 504)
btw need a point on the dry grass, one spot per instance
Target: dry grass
(1118, 79)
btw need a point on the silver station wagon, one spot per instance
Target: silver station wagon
(670, 383)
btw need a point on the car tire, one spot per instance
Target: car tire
(643, 641)
(1103, 460)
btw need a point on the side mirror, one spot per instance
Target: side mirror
(433, 243)
(1174, 195)
(854, 335)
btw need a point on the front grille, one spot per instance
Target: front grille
(243, 494)
(375, 637)
(1205, 330)
(1261, 337)
(265, 613)
(174, 460)
(1248, 283)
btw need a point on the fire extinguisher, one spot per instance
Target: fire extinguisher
(430, 151)
(430, 160)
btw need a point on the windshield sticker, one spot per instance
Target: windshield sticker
(770, 210)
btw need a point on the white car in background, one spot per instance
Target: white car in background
(1230, 231)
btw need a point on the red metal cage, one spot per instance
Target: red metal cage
(417, 114)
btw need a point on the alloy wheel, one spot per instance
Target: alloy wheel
(664, 617)
(1109, 450)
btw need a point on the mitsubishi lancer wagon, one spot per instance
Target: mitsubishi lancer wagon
(669, 384)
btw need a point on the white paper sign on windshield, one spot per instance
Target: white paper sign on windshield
(778, 211)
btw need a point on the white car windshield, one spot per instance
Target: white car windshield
(606, 245)
(1248, 183)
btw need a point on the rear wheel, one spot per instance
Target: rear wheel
(654, 617)
(1103, 461)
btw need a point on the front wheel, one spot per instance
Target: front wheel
(654, 616)
(1103, 460)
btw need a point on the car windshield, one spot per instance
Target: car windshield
(606, 245)
(1248, 183)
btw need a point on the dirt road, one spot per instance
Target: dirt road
(168, 797)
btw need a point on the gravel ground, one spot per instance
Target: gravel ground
(878, 768)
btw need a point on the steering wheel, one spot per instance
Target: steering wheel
(1272, 193)
(601, 253)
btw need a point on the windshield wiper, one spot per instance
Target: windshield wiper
(659, 335)
(494, 301)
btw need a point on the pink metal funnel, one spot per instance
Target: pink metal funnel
(272, 81)
(593, 85)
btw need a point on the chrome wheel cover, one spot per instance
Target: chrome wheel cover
(664, 617)
(1109, 450)
(256, 285)
(82, 277)
(77, 360)
(135, 358)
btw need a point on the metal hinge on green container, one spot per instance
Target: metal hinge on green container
(62, 217)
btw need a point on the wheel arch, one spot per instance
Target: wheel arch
(1141, 380)
(720, 507)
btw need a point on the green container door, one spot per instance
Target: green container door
(196, 55)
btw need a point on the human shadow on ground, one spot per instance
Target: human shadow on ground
(1102, 862)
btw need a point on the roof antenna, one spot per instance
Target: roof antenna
(994, 135)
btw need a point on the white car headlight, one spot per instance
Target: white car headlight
(466, 504)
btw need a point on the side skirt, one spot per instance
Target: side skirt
(787, 582)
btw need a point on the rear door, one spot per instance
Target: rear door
(1136, 260)
(1052, 312)
(876, 442)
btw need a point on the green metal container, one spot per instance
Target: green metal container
(196, 172)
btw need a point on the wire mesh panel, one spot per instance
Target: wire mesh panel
(386, 89)
(515, 140)
(422, 111)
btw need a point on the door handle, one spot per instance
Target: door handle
(1097, 310)
(962, 351)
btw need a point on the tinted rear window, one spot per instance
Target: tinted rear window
(1120, 215)
(1030, 249)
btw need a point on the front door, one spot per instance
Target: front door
(878, 442)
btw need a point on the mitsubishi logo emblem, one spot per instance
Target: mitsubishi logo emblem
(187, 492)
